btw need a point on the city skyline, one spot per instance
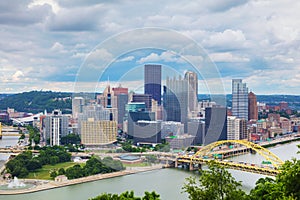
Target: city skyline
(47, 41)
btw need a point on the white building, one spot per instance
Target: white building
(233, 128)
(55, 126)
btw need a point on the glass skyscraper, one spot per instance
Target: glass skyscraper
(239, 99)
(153, 81)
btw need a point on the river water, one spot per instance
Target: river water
(166, 182)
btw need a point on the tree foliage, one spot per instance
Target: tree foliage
(26, 162)
(70, 139)
(214, 184)
(38, 101)
(286, 184)
(93, 166)
(128, 196)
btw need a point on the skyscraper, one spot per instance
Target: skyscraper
(56, 126)
(153, 81)
(176, 100)
(252, 107)
(239, 99)
(192, 80)
(146, 98)
(77, 104)
(215, 124)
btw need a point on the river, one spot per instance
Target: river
(166, 182)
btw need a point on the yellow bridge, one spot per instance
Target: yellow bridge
(208, 152)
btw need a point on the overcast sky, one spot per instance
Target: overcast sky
(45, 42)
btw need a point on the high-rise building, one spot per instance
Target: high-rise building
(146, 98)
(122, 100)
(56, 126)
(215, 124)
(145, 131)
(99, 132)
(192, 80)
(77, 103)
(106, 99)
(239, 99)
(176, 100)
(252, 107)
(152, 78)
(233, 128)
(243, 129)
(119, 90)
(196, 128)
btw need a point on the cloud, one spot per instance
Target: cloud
(47, 40)
(228, 39)
(227, 57)
(16, 76)
(166, 56)
(19, 13)
(128, 58)
(57, 47)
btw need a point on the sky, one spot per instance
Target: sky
(58, 44)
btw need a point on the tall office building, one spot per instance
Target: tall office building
(215, 124)
(176, 100)
(252, 107)
(135, 112)
(152, 78)
(55, 127)
(146, 98)
(106, 99)
(239, 99)
(77, 104)
(196, 128)
(192, 80)
(122, 100)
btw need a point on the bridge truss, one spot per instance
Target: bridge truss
(201, 156)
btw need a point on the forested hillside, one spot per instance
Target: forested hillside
(38, 101)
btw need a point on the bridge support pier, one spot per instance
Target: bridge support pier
(191, 166)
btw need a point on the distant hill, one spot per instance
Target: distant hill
(37, 101)
(292, 100)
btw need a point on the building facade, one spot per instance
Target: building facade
(192, 80)
(252, 107)
(239, 99)
(152, 84)
(77, 104)
(215, 124)
(101, 132)
(55, 126)
(176, 100)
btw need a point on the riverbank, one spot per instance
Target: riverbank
(48, 185)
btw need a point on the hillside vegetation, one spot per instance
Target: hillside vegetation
(38, 101)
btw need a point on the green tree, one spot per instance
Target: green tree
(61, 171)
(54, 160)
(127, 196)
(214, 184)
(53, 174)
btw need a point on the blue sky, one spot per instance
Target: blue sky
(46, 43)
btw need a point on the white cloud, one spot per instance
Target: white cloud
(226, 39)
(166, 56)
(128, 58)
(227, 57)
(41, 37)
(57, 47)
(16, 76)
